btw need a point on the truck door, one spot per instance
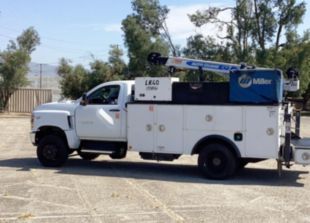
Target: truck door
(100, 118)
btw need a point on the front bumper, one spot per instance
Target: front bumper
(33, 137)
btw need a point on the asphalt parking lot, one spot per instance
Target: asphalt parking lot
(134, 190)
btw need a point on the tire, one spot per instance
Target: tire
(119, 154)
(242, 163)
(52, 151)
(216, 161)
(88, 156)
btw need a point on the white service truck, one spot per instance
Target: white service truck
(226, 124)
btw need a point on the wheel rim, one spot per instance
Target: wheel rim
(50, 152)
(216, 162)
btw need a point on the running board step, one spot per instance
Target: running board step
(100, 147)
(159, 156)
(97, 151)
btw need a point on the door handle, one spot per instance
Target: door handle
(114, 110)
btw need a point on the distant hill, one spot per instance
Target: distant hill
(47, 70)
(50, 78)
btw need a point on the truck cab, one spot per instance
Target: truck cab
(92, 125)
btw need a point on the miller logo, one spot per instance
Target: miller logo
(246, 81)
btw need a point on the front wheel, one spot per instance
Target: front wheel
(242, 163)
(52, 151)
(216, 161)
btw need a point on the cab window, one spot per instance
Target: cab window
(107, 95)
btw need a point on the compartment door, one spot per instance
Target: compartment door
(140, 127)
(169, 129)
(262, 132)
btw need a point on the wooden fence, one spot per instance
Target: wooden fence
(24, 100)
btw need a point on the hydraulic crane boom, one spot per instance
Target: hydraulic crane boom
(192, 64)
(173, 63)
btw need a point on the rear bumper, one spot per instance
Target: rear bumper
(33, 137)
(301, 151)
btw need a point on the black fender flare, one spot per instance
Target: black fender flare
(216, 139)
(46, 130)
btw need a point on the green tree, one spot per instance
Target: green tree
(264, 27)
(14, 65)
(142, 35)
(255, 24)
(116, 62)
(28, 40)
(296, 53)
(238, 30)
(100, 73)
(74, 79)
(205, 48)
(289, 15)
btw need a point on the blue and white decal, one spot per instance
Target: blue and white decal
(212, 66)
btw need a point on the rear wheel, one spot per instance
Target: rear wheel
(88, 156)
(52, 151)
(216, 161)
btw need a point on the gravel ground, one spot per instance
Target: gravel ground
(133, 190)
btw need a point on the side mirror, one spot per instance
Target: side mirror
(83, 101)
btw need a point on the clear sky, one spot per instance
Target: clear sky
(77, 29)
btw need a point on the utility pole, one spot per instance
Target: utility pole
(40, 75)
